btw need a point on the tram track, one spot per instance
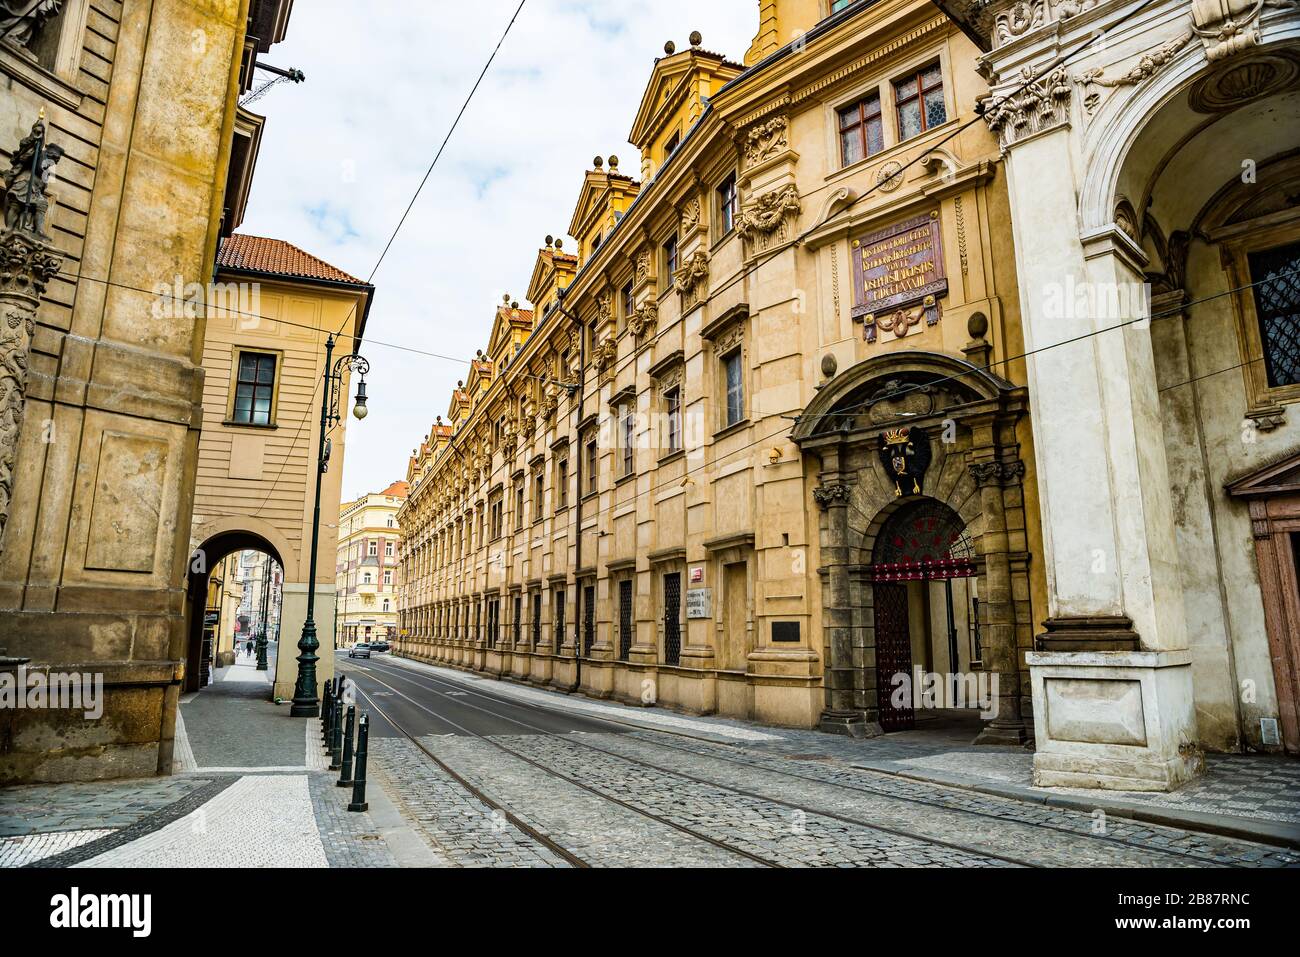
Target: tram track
(649, 735)
(523, 826)
(872, 826)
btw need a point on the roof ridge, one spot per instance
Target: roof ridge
(259, 254)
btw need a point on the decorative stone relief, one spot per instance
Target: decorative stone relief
(690, 276)
(604, 356)
(690, 215)
(765, 221)
(604, 308)
(22, 21)
(889, 177)
(642, 267)
(1147, 65)
(643, 322)
(1226, 27)
(764, 140)
(996, 473)
(27, 263)
(671, 379)
(1036, 104)
(1126, 219)
(1026, 16)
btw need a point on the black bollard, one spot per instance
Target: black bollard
(336, 738)
(326, 707)
(345, 775)
(359, 778)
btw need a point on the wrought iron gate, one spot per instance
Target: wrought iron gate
(624, 619)
(893, 654)
(588, 619)
(673, 618)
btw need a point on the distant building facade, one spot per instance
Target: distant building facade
(368, 569)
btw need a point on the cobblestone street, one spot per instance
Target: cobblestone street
(616, 786)
(470, 772)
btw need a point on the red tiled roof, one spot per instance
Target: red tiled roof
(397, 490)
(259, 254)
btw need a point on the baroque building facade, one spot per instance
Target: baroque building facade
(762, 441)
(135, 106)
(1157, 143)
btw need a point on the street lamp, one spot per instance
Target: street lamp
(305, 702)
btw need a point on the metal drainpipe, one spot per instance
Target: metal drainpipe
(577, 474)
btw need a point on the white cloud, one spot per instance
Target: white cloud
(344, 151)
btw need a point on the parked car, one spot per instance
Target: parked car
(380, 646)
(359, 651)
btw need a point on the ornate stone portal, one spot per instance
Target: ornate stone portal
(917, 434)
(27, 263)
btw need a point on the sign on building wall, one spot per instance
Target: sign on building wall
(699, 603)
(898, 276)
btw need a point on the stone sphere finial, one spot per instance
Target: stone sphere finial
(550, 241)
(670, 48)
(613, 163)
(559, 244)
(696, 38)
(514, 304)
(598, 162)
(977, 325)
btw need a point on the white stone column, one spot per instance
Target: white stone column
(1113, 704)
(1107, 521)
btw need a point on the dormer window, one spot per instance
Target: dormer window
(670, 147)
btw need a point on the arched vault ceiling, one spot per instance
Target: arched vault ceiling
(1183, 158)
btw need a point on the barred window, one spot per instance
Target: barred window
(1276, 275)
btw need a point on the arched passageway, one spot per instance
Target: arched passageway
(222, 624)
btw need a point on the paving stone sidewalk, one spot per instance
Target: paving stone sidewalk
(248, 791)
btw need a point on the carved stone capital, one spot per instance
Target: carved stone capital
(833, 494)
(1032, 104)
(26, 265)
(996, 473)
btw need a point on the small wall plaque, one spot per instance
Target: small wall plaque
(786, 631)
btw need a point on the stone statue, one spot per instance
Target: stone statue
(27, 182)
(28, 261)
(21, 21)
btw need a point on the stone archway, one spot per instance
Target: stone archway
(892, 431)
(920, 542)
(202, 561)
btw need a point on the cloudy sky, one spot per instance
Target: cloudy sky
(344, 152)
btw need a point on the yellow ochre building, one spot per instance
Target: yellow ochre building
(756, 443)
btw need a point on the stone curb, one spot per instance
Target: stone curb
(1259, 831)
